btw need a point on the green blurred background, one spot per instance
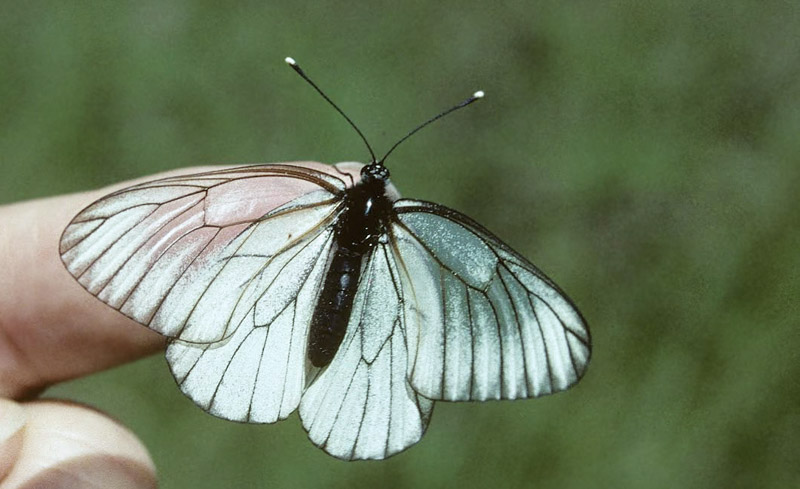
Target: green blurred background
(646, 156)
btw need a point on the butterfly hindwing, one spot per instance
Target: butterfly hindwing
(362, 406)
(258, 374)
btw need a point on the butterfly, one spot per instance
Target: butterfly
(348, 304)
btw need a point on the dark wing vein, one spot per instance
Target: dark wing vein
(144, 242)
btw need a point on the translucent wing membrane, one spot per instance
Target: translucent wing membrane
(258, 374)
(486, 323)
(178, 254)
(362, 406)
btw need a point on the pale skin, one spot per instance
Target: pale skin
(52, 330)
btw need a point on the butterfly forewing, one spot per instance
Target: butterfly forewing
(487, 323)
(160, 252)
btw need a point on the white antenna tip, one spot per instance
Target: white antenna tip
(290, 61)
(478, 94)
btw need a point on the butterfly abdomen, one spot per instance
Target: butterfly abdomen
(335, 302)
(366, 213)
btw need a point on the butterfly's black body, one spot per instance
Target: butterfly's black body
(367, 212)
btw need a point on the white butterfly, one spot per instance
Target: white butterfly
(357, 308)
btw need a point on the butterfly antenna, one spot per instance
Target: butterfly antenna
(291, 62)
(475, 96)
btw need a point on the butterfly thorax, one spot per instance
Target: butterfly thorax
(365, 216)
(367, 211)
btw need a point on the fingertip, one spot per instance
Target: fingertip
(12, 422)
(69, 445)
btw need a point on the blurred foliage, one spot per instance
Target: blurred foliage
(645, 154)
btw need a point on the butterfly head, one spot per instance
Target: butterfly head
(373, 172)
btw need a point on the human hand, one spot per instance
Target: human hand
(52, 330)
